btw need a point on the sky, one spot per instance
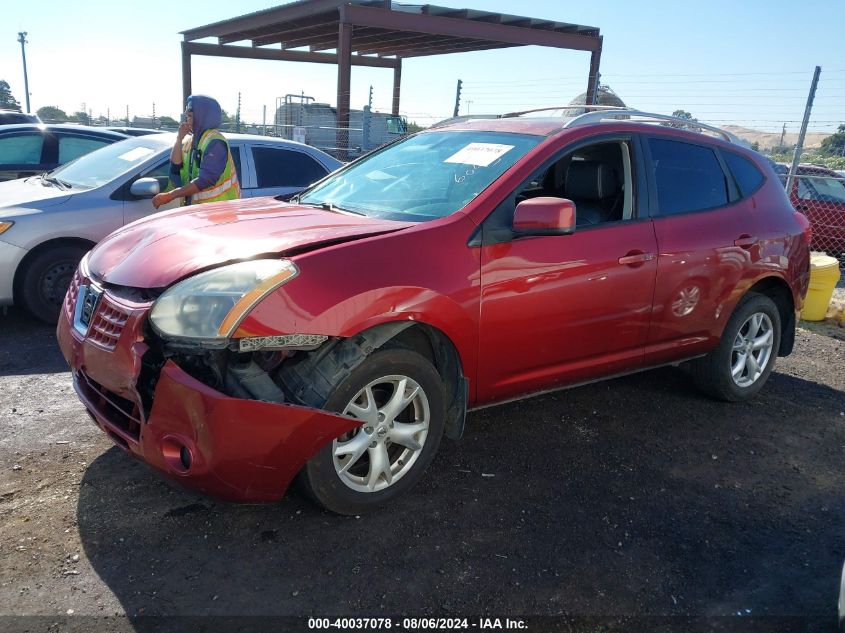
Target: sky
(748, 62)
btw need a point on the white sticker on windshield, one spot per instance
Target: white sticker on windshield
(479, 154)
(135, 154)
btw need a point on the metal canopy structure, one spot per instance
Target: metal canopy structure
(378, 33)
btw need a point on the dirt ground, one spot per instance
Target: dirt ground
(632, 498)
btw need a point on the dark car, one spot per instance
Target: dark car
(11, 117)
(235, 345)
(27, 150)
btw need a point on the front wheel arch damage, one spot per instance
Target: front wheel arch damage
(312, 378)
(305, 377)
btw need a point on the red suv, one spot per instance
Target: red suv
(338, 337)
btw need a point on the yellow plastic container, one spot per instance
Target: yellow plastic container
(824, 274)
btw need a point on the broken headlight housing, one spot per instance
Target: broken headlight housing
(210, 306)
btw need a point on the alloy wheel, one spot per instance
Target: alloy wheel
(395, 413)
(752, 349)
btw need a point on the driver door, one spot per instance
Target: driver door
(135, 208)
(564, 309)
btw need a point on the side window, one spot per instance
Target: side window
(21, 149)
(689, 177)
(236, 158)
(597, 178)
(160, 172)
(746, 174)
(804, 190)
(285, 168)
(71, 147)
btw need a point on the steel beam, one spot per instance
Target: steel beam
(435, 25)
(186, 73)
(286, 13)
(293, 37)
(397, 86)
(344, 74)
(244, 52)
(593, 79)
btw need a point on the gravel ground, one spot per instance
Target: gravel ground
(629, 498)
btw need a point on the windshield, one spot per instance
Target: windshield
(424, 177)
(829, 189)
(104, 165)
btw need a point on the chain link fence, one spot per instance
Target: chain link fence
(819, 193)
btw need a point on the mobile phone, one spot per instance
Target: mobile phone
(183, 118)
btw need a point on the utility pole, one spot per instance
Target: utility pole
(370, 102)
(108, 116)
(796, 156)
(238, 116)
(782, 134)
(22, 40)
(458, 97)
(154, 114)
(264, 122)
(127, 115)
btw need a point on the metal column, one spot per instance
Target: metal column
(344, 67)
(186, 74)
(397, 85)
(593, 79)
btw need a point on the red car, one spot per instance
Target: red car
(819, 193)
(338, 337)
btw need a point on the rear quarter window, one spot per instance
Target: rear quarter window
(746, 174)
(688, 177)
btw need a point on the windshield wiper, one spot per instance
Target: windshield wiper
(61, 184)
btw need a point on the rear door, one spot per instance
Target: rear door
(282, 170)
(562, 309)
(708, 239)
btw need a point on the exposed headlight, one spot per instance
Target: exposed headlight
(211, 305)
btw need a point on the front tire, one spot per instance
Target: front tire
(46, 279)
(399, 397)
(739, 367)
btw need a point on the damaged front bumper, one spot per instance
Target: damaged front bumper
(233, 448)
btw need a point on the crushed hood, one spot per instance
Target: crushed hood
(158, 251)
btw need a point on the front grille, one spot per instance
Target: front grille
(71, 295)
(107, 323)
(122, 414)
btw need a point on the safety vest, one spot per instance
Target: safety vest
(226, 187)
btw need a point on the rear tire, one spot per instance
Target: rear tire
(739, 367)
(46, 279)
(399, 397)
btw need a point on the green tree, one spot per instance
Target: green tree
(680, 114)
(413, 126)
(834, 145)
(166, 121)
(81, 117)
(52, 113)
(7, 101)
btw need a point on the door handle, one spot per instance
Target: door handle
(746, 241)
(636, 258)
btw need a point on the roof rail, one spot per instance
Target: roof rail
(462, 118)
(618, 113)
(563, 107)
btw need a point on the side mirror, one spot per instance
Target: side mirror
(145, 188)
(544, 216)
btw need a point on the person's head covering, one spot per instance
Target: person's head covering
(207, 115)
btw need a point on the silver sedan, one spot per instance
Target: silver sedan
(48, 222)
